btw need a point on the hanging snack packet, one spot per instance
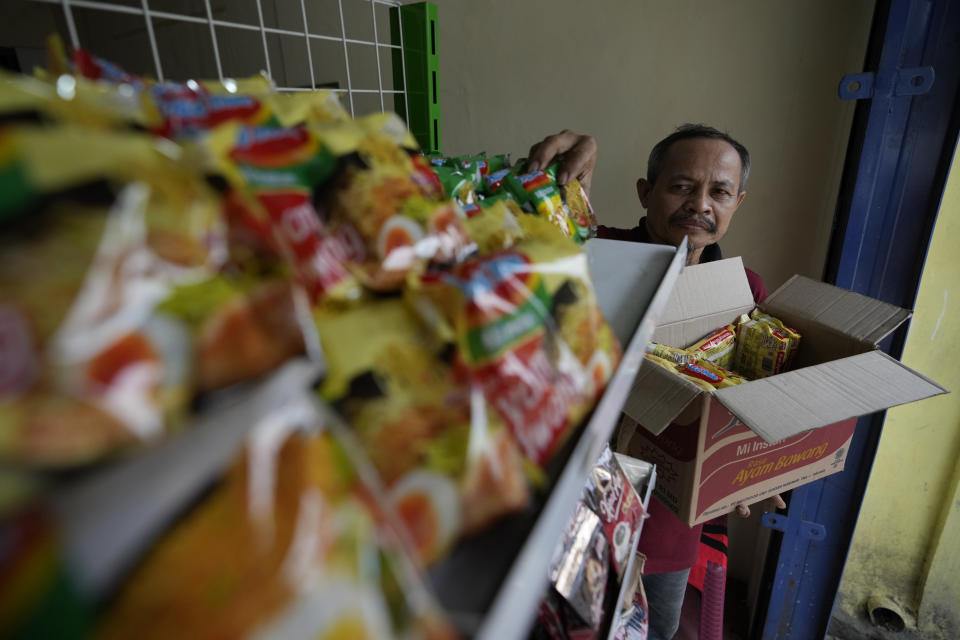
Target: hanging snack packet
(609, 494)
(493, 182)
(765, 346)
(241, 328)
(579, 569)
(495, 225)
(457, 185)
(529, 333)
(90, 66)
(449, 466)
(305, 107)
(578, 205)
(719, 347)
(87, 255)
(537, 192)
(474, 167)
(290, 543)
(281, 168)
(192, 108)
(386, 197)
(72, 99)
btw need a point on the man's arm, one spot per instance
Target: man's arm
(577, 154)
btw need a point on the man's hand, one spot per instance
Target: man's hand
(577, 155)
(773, 503)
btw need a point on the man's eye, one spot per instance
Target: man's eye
(683, 188)
(721, 193)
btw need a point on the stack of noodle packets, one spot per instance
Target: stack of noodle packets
(478, 182)
(213, 231)
(290, 543)
(756, 346)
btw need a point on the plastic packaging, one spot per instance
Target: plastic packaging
(448, 464)
(290, 543)
(765, 346)
(610, 494)
(528, 333)
(718, 347)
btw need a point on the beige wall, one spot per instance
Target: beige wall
(629, 71)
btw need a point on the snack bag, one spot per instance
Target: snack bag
(677, 356)
(193, 108)
(240, 327)
(632, 622)
(495, 226)
(90, 66)
(579, 569)
(609, 494)
(305, 107)
(290, 543)
(578, 205)
(765, 346)
(89, 366)
(706, 371)
(72, 99)
(457, 185)
(385, 197)
(282, 168)
(718, 347)
(537, 192)
(493, 182)
(529, 333)
(449, 466)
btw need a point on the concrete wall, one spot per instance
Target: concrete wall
(907, 542)
(629, 71)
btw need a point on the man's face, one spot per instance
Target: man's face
(696, 193)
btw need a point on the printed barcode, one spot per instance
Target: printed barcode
(767, 364)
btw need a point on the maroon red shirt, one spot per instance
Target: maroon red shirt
(668, 543)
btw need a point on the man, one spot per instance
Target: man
(696, 179)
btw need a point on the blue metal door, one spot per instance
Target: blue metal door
(904, 134)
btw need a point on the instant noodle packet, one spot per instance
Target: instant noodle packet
(457, 185)
(581, 213)
(73, 99)
(130, 307)
(718, 347)
(495, 226)
(529, 333)
(765, 346)
(449, 466)
(537, 192)
(388, 199)
(672, 354)
(706, 371)
(289, 543)
(282, 167)
(88, 253)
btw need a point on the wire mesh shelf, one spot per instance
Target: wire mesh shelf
(302, 45)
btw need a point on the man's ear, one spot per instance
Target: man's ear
(643, 191)
(743, 194)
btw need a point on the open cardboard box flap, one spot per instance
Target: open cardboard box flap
(847, 377)
(658, 396)
(856, 316)
(796, 401)
(705, 297)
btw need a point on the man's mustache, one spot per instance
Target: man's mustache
(687, 218)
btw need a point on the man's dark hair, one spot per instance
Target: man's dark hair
(686, 131)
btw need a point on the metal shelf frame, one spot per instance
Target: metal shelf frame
(307, 35)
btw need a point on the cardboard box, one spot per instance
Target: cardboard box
(716, 449)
